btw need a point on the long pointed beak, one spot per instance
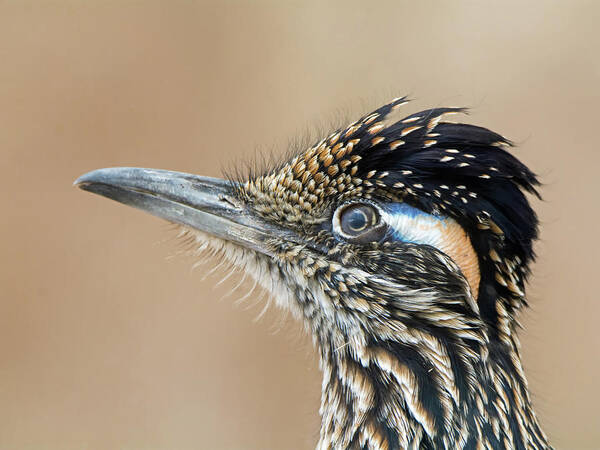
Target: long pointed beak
(206, 204)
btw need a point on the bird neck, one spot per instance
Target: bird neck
(419, 391)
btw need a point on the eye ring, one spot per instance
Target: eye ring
(359, 222)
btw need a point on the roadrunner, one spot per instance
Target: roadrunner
(403, 245)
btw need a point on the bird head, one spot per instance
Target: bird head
(403, 243)
(389, 219)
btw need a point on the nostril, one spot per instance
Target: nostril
(229, 201)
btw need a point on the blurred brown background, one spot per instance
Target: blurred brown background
(107, 342)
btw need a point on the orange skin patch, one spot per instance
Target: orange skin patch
(413, 225)
(457, 246)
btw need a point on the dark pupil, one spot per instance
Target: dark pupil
(357, 219)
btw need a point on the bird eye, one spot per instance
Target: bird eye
(356, 219)
(359, 222)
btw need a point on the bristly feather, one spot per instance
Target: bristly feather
(271, 158)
